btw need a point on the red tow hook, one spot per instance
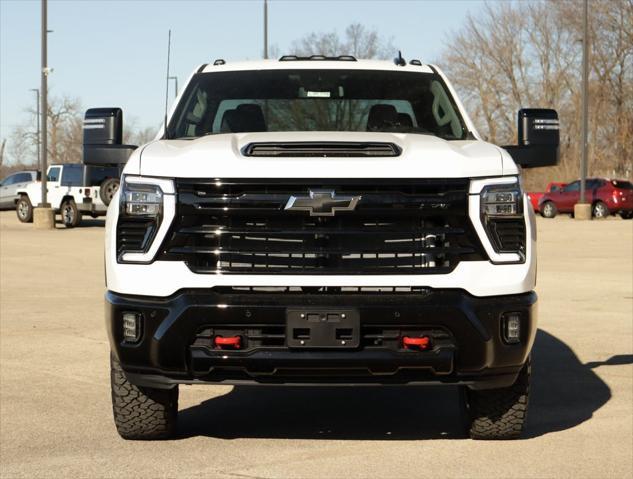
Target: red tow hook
(416, 343)
(232, 342)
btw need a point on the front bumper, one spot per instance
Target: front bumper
(467, 345)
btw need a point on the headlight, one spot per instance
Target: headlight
(503, 219)
(502, 201)
(141, 199)
(146, 206)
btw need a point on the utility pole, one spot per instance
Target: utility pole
(585, 103)
(44, 107)
(43, 216)
(37, 115)
(583, 210)
(266, 29)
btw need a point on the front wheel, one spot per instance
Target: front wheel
(626, 215)
(24, 209)
(548, 210)
(600, 210)
(139, 412)
(499, 413)
(71, 216)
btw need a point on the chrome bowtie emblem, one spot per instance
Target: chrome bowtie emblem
(322, 203)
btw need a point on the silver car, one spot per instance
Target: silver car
(10, 185)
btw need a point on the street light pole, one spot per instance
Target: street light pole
(37, 116)
(43, 215)
(266, 29)
(583, 210)
(585, 103)
(44, 104)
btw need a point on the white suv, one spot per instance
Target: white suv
(73, 190)
(10, 185)
(324, 221)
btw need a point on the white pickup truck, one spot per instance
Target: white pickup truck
(324, 220)
(73, 190)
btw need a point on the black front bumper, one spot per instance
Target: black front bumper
(176, 333)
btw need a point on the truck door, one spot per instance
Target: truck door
(55, 194)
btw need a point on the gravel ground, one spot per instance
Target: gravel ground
(55, 412)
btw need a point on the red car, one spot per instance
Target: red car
(551, 187)
(606, 196)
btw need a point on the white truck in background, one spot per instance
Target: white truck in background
(74, 190)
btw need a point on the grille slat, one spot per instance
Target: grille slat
(397, 227)
(402, 249)
(203, 199)
(379, 230)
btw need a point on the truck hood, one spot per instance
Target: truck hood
(220, 156)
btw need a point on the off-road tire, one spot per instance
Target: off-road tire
(142, 413)
(71, 216)
(499, 413)
(600, 211)
(24, 209)
(108, 189)
(548, 210)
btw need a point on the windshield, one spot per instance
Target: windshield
(317, 100)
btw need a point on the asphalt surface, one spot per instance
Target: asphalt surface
(55, 412)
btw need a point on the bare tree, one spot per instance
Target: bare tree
(65, 134)
(65, 130)
(21, 149)
(138, 136)
(514, 55)
(4, 143)
(358, 41)
(135, 135)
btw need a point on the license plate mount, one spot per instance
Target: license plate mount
(322, 328)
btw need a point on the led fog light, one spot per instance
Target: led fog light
(131, 327)
(512, 328)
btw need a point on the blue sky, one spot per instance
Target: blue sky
(112, 53)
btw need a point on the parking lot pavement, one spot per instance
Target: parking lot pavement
(55, 416)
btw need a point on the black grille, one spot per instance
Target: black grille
(508, 234)
(397, 227)
(322, 149)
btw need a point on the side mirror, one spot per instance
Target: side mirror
(539, 138)
(103, 137)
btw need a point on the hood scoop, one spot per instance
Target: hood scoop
(321, 149)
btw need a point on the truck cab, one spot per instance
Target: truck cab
(324, 220)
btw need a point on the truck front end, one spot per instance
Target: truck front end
(313, 222)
